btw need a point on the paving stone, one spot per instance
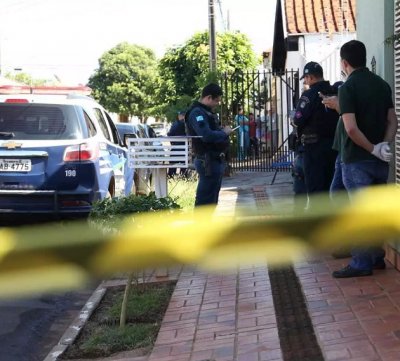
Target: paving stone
(232, 316)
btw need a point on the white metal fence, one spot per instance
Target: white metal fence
(160, 152)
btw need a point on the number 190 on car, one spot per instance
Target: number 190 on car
(15, 165)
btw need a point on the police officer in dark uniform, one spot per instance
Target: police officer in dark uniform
(316, 127)
(299, 185)
(210, 146)
(177, 129)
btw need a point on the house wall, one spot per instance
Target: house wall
(367, 14)
(322, 48)
(380, 16)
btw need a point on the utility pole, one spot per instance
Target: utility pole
(1, 54)
(211, 32)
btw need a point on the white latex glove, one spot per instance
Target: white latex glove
(386, 153)
(382, 151)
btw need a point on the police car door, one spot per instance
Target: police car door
(124, 172)
(112, 161)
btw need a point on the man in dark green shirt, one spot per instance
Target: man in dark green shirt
(369, 124)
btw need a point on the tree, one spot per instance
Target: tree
(395, 38)
(27, 79)
(184, 69)
(124, 81)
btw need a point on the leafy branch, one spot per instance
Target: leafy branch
(395, 38)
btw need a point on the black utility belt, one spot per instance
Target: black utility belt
(212, 156)
(309, 138)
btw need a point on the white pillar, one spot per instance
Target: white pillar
(160, 182)
(161, 190)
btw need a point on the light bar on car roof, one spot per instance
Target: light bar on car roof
(15, 89)
(57, 90)
(81, 90)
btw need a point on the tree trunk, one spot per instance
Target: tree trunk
(122, 320)
(123, 118)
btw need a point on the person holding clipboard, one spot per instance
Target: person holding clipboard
(210, 144)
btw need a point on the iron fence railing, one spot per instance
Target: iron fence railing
(267, 99)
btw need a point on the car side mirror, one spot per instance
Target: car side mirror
(127, 136)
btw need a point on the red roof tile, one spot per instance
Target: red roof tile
(320, 16)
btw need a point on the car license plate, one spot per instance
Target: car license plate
(15, 165)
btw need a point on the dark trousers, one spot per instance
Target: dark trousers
(299, 186)
(254, 145)
(319, 165)
(209, 185)
(355, 176)
(174, 171)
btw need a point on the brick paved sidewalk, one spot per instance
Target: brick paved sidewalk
(231, 317)
(355, 319)
(219, 317)
(224, 317)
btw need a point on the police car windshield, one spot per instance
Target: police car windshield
(39, 121)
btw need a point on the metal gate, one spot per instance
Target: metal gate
(264, 100)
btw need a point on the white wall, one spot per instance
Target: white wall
(322, 48)
(380, 16)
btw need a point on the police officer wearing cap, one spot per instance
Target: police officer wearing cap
(316, 126)
(210, 144)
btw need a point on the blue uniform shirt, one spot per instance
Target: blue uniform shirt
(200, 121)
(177, 128)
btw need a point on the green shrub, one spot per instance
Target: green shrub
(109, 212)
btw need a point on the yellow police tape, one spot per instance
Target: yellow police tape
(65, 256)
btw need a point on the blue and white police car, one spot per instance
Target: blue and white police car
(59, 152)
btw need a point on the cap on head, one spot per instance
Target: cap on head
(312, 68)
(181, 112)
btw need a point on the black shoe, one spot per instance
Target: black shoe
(349, 271)
(380, 265)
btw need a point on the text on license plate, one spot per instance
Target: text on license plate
(15, 165)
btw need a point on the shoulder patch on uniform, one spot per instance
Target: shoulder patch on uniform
(200, 118)
(304, 100)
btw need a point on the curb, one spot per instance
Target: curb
(77, 324)
(73, 330)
